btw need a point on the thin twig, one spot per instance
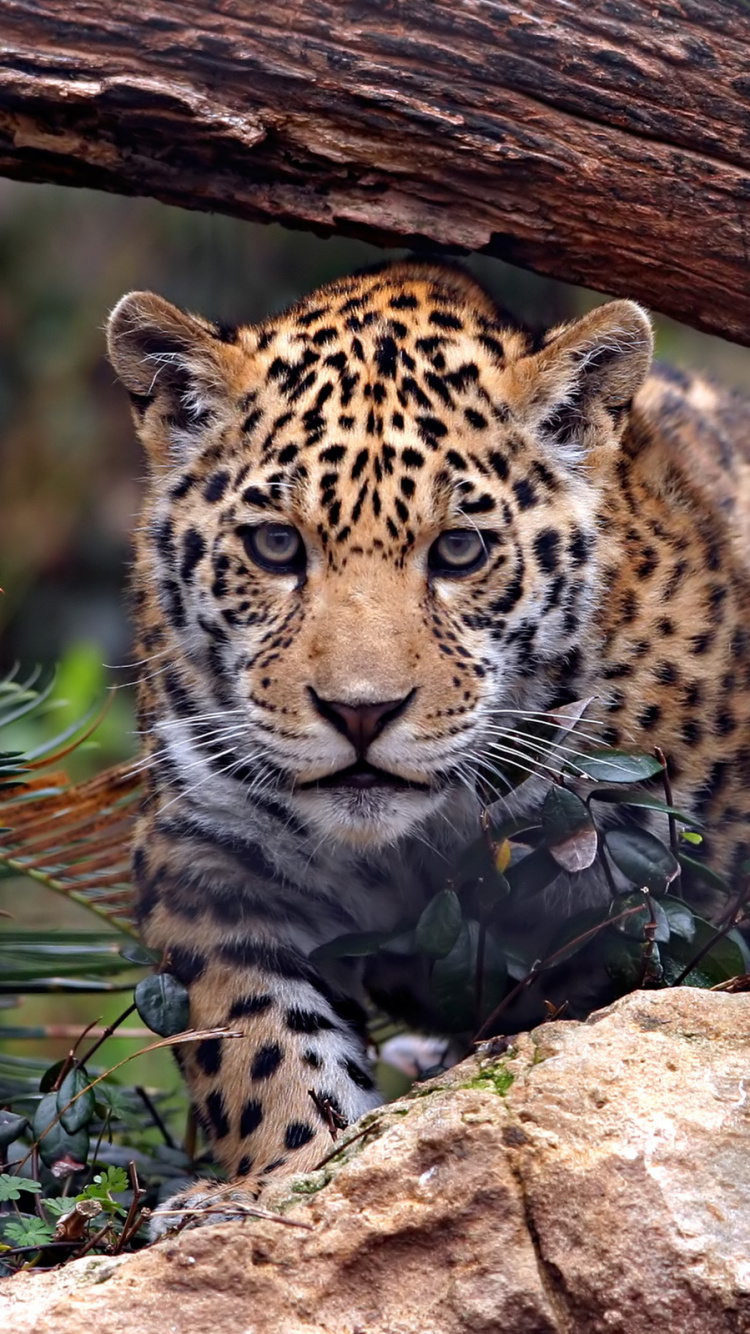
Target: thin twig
(667, 782)
(154, 1114)
(340, 1147)
(133, 1217)
(106, 1033)
(94, 1241)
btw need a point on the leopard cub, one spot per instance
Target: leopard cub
(376, 527)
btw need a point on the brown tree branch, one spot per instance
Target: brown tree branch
(605, 143)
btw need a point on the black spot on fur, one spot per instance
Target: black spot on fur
(193, 550)
(216, 485)
(307, 1021)
(187, 965)
(217, 1115)
(250, 1005)
(251, 1118)
(266, 1061)
(208, 1055)
(547, 550)
(298, 1133)
(357, 1075)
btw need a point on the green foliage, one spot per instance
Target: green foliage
(163, 1003)
(28, 1231)
(11, 1187)
(481, 962)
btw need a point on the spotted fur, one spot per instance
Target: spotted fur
(372, 418)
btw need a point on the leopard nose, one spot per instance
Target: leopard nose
(360, 723)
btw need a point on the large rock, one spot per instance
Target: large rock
(596, 1178)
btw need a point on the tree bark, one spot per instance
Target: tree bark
(606, 143)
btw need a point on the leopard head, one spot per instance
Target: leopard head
(372, 531)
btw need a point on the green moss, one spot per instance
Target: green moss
(496, 1080)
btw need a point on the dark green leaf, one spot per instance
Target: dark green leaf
(439, 925)
(624, 796)
(614, 766)
(635, 926)
(724, 959)
(697, 870)
(642, 857)
(494, 976)
(623, 960)
(400, 942)
(49, 1078)
(136, 953)
(477, 879)
(81, 1110)
(11, 1128)
(532, 873)
(568, 829)
(55, 1141)
(453, 981)
(680, 918)
(163, 1004)
(353, 945)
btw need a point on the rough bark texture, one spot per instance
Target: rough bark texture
(605, 143)
(596, 1180)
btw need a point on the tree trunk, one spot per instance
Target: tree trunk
(606, 143)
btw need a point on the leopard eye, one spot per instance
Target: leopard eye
(274, 546)
(457, 551)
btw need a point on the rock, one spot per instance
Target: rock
(595, 1179)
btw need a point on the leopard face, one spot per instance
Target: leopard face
(372, 537)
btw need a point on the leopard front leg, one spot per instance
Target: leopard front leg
(268, 1100)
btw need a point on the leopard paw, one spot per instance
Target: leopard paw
(201, 1203)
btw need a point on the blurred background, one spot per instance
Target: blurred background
(70, 468)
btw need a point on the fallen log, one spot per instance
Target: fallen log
(605, 144)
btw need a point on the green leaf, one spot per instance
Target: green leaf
(11, 1187)
(643, 858)
(81, 1110)
(614, 766)
(624, 796)
(29, 1231)
(11, 1128)
(27, 955)
(453, 981)
(723, 961)
(352, 945)
(55, 1142)
(569, 831)
(681, 919)
(635, 926)
(623, 960)
(494, 976)
(163, 1004)
(111, 1182)
(532, 873)
(701, 872)
(439, 925)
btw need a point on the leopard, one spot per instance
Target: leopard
(376, 528)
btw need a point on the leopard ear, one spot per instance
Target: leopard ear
(175, 368)
(581, 384)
